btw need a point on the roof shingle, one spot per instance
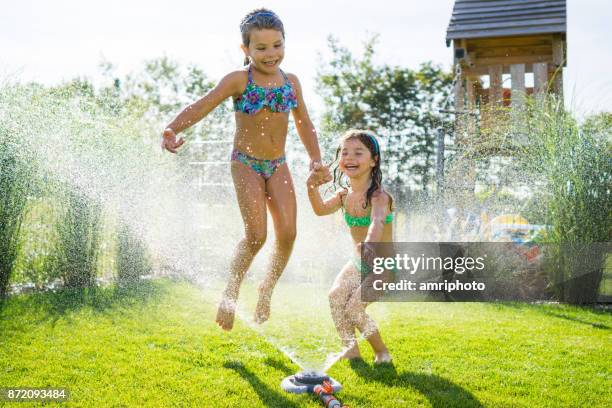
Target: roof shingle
(499, 18)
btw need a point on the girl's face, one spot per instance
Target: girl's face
(355, 158)
(266, 49)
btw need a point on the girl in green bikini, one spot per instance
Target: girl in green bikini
(263, 96)
(368, 212)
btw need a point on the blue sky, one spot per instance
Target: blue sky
(51, 41)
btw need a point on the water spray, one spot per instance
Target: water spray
(320, 384)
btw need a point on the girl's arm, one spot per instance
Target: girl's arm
(319, 206)
(380, 209)
(305, 128)
(230, 85)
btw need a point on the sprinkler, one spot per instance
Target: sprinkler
(325, 393)
(306, 381)
(320, 384)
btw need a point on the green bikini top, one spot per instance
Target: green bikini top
(365, 221)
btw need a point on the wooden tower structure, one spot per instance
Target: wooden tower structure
(499, 40)
(502, 51)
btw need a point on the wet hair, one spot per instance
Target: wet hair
(259, 19)
(369, 140)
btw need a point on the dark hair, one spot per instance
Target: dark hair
(259, 19)
(369, 140)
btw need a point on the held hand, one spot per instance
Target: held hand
(314, 164)
(169, 141)
(321, 171)
(313, 180)
(318, 176)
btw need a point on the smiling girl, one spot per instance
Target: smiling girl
(368, 212)
(263, 95)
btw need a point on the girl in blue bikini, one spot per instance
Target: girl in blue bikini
(263, 96)
(368, 212)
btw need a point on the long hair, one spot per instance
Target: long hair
(369, 140)
(259, 19)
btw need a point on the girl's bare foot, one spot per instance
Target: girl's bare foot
(351, 352)
(262, 310)
(383, 357)
(225, 313)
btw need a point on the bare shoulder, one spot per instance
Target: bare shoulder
(381, 198)
(293, 79)
(240, 74)
(236, 81)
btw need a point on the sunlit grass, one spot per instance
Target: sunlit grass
(157, 345)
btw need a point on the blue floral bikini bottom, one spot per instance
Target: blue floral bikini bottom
(265, 168)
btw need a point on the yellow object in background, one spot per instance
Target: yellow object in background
(509, 219)
(509, 227)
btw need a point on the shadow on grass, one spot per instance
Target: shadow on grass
(279, 365)
(43, 306)
(561, 311)
(268, 396)
(440, 392)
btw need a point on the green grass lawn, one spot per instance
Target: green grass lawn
(158, 346)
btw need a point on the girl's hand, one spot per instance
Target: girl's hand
(319, 176)
(169, 141)
(322, 171)
(313, 180)
(315, 164)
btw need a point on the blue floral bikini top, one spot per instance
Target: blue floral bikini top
(255, 98)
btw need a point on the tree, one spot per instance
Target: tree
(399, 104)
(161, 89)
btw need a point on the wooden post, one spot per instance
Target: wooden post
(517, 77)
(540, 79)
(558, 61)
(495, 85)
(471, 93)
(459, 108)
(459, 93)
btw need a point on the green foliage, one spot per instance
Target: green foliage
(160, 90)
(37, 241)
(132, 258)
(75, 131)
(18, 172)
(77, 246)
(14, 186)
(399, 104)
(574, 166)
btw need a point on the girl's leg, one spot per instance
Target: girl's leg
(345, 284)
(283, 208)
(361, 320)
(250, 191)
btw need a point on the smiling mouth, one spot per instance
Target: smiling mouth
(270, 63)
(351, 167)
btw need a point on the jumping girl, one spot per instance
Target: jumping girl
(263, 96)
(368, 212)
